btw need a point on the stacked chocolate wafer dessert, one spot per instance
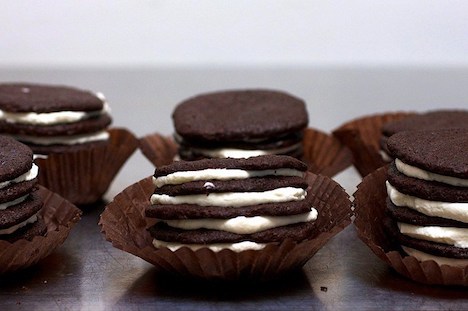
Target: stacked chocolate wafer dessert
(20, 202)
(428, 194)
(236, 204)
(53, 119)
(240, 124)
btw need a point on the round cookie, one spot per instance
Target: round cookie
(41, 98)
(432, 120)
(20, 212)
(239, 124)
(429, 247)
(296, 232)
(266, 162)
(15, 158)
(442, 152)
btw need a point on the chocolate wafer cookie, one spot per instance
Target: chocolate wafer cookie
(239, 124)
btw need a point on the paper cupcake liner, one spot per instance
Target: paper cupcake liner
(159, 150)
(362, 137)
(370, 213)
(83, 176)
(124, 224)
(324, 154)
(59, 215)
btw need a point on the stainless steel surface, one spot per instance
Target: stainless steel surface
(87, 273)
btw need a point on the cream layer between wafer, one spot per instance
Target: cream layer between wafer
(233, 199)
(456, 211)
(53, 118)
(243, 224)
(412, 171)
(242, 153)
(215, 247)
(63, 140)
(29, 175)
(181, 177)
(422, 256)
(457, 237)
(13, 228)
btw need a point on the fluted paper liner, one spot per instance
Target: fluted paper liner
(362, 137)
(124, 224)
(370, 213)
(324, 154)
(59, 215)
(83, 176)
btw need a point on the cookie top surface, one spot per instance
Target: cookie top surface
(239, 115)
(254, 163)
(25, 97)
(432, 120)
(15, 158)
(442, 152)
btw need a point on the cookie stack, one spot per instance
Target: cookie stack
(427, 190)
(236, 204)
(432, 120)
(53, 119)
(20, 202)
(240, 124)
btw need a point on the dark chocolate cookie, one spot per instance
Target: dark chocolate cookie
(428, 190)
(14, 191)
(429, 247)
(20, 212)
(191, 211)
(432, 120)
(25, 97)
(239, 116)
(413, 217)
(256, 184)
(15, 158)
(439, 151)
(296, 232)
(39, 228)
(255, 163)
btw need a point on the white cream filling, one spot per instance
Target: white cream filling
(242, 224)
(216, 247)
(455, 211)
(6, 205)
(29, 175)
(415, 172)
(220, 174)
(457, 237)
(51, 118)
(63, 140)
(233, 199)
(12, 229)
(421, 256)
(242, 153)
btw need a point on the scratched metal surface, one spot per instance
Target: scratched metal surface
(87, 273)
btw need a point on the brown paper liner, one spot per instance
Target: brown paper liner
(59, 215)
(324, 154)
(124, 224)
(83, 176)
(362, 137)
(370, 213)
